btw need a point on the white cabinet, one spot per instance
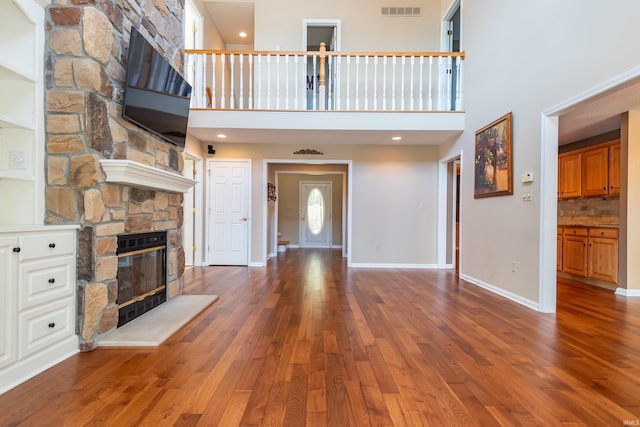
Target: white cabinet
(38, 301)
(21, 112)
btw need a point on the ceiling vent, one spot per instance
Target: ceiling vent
(400, 11)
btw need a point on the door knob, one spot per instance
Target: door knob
(243, 219)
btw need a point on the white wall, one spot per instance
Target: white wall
(394, 199)
(278, 24)
(527, 57)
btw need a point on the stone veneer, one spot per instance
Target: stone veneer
(85, 62)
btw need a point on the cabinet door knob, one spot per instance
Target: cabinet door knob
(52, 280)
(16, 250)
(52, 325)
(52, 245)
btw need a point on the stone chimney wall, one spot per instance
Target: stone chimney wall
(85, 62)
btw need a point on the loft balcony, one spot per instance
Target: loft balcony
(326, 97)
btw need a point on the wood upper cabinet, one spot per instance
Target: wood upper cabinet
(590, 172)
(595, 172)
(569, 175)
(614, 167)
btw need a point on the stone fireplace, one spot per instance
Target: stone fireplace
(89, 145)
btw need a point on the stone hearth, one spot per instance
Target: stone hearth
(86, 50)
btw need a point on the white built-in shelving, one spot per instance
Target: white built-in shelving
(21, 112)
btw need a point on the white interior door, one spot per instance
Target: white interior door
(315, 214)
(228, 212)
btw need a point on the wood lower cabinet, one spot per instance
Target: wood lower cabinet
(574, 249)
(590, 252)
(603, 254)
(559, 250)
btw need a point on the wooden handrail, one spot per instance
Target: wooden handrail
(328, 53)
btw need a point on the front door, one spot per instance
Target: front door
(228, 212)
(315, 214)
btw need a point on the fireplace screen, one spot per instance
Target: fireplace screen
(141, 274)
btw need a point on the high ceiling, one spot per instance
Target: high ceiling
(599, 114)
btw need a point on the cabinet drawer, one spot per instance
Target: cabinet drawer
(607, 233)
(576, 231)
(43, 326)
(46, 280)
(46, 245)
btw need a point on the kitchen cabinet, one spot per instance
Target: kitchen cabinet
(614, 168)
(574, 248)
(569, 175)
(37, 296)
(590, 252)
(559, 249)
(595, 172)
(590, 172)
(603, 254)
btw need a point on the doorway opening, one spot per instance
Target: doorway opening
(192, 225)
(315, 32)
(282, 216)
(452, 40)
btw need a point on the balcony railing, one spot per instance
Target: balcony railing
(338, 81)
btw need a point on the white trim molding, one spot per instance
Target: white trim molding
(509, 295)
(391, 266)
(140, 175)
(628, 292)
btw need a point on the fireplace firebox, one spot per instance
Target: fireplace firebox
(142, 274)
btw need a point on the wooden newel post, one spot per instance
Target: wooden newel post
(321, 81)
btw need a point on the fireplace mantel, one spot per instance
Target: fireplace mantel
(137, 174)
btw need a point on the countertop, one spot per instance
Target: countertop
(604, 222)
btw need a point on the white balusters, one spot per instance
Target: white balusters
(222, 81)
(348, 76)
(277, 82)
(421, 105)
(375, 84)
(413, 61)
(384, 83)
(393, 85)
(430, 83)
(353, 82)
(232, 99)
(250, 97)
(268, 82)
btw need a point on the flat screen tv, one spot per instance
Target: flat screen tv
(156, 97)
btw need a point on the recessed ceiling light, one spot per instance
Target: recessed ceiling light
(396, 138)
(221, 135)
(243, 34)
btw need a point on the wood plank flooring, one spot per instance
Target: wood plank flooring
(308, 342)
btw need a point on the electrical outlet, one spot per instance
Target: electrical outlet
(376, 247)
(513, 266)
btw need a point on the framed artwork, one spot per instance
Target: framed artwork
(494, 158)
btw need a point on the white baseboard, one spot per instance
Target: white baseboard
(499, 291)
(390, 266)
(628, 292)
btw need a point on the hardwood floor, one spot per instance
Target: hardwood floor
(307, 341)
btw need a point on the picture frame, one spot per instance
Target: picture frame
(494, 159)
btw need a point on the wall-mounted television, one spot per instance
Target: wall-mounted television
(156, 97)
